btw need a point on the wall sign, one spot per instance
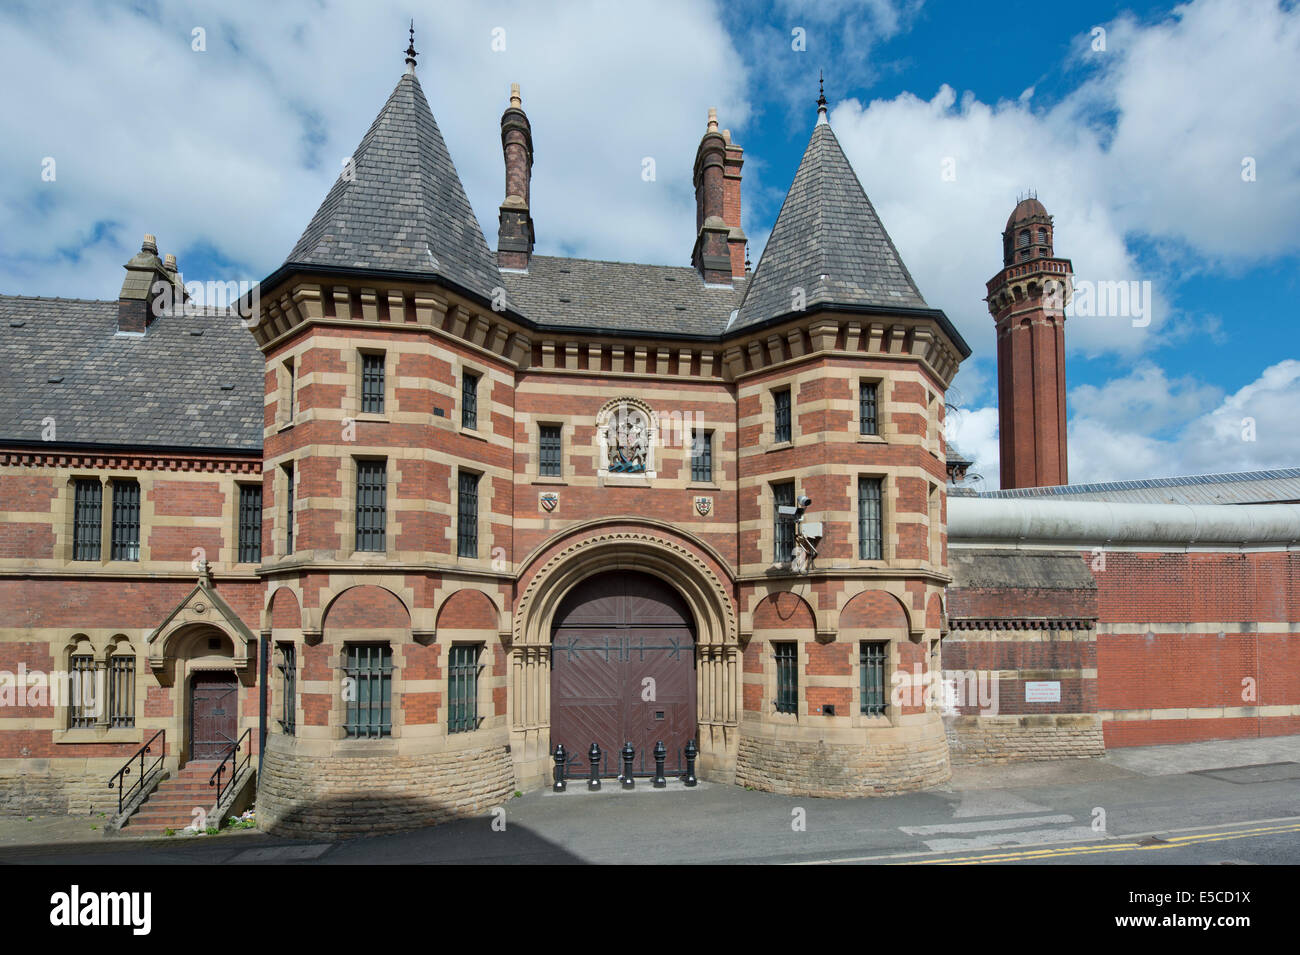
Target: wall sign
(1048, 691)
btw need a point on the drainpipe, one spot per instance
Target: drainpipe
(262, 679)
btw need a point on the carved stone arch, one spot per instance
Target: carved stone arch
(669, 560)
(590, 551)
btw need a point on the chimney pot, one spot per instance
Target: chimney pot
(150, 244)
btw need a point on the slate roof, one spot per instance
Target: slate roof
(1277, 486)
(162, 390)
(828, 241)
(593, 295)
(404, 209)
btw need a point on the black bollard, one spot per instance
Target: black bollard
(661, 753)
(691, 752)
(628, 755)
(560, 757)
(593, 756)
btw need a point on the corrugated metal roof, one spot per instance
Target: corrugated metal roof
(1280, 485)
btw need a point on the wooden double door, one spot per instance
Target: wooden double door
(623, 671)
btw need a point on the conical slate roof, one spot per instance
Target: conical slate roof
(403, 207)
(827, 241)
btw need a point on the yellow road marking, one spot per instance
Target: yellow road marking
(1173, 842)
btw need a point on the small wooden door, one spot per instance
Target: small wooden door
(214, 714)
(623, 670)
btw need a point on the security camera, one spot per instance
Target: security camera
(804, 502)
(786, 510)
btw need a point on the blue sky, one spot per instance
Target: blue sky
(1136, 147)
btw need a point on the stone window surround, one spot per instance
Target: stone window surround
(769, 710)
(392, 526)
(287, 382)
(68, 505)
(535, 452)
(234, 534)
(483, 412)
(767, 395)
(892, 710)
(356, 372)
(884, 425)
(282, 516)
(888, 529)
(80, 644)
(714, 484)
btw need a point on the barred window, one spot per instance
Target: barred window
(87, 518)
(462, 688)
(372, 503)
(289, 702)
(549, 451)
(871, 660)
(126, 521)
(288, 368)
(469, 400)
(369, 667)
(288, 514)
(783, 530)
(870, 533)
(372, 383)
(467, 515)
(787, 677)
(867, 408)
(250, 523)
(702, 457)
(782, 429)
(121, 691)
(82, 704)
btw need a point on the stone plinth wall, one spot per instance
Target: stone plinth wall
(72, 786)
(334, 795)
(877, 762)
(1003, 739)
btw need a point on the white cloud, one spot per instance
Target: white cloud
(236, 146)
(1145, 155)
(1145, 425)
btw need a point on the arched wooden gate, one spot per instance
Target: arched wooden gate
(623, 670)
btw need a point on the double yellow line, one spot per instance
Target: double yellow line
(1056, 852)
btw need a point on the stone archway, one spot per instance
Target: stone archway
(716, 651)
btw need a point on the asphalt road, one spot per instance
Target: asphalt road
(1090, 813)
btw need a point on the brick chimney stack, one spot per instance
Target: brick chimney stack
(515, 237)
(1027, 300)
(719, 252)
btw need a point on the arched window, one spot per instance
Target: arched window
(1024, 238)
(121, 684)
(82, 698)
(1042, 237)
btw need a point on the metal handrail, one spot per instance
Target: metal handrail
(234, 769)
(120, 776)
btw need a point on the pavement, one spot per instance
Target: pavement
(1233, 802)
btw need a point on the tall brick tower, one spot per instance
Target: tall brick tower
(1027, 300)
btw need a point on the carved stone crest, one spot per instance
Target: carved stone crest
(549, 500)
(704, 505)
(627, 430)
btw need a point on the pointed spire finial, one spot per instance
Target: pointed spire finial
(410, 51)
(746, 258)
(821, 99)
